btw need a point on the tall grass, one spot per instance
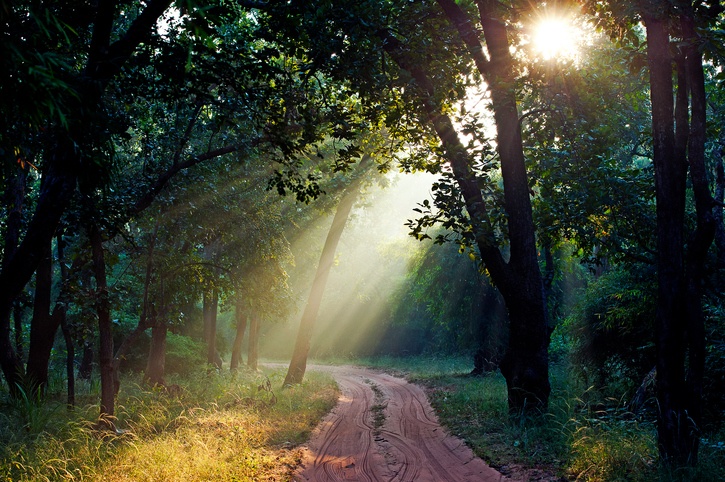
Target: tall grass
(215, 426)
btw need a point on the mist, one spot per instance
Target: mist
(370, 266)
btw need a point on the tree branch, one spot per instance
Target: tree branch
(145, 201)
(122, 49)
(101, 38)
(470, 36)
(257, 5)
(457, 156)
(187, 134)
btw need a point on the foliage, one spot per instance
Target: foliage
(445, 306)
(611, 331)
(586, 125)
(183, 355)
(714, 380)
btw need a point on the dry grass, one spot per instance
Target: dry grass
(219, 428)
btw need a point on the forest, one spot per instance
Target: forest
(208, 205)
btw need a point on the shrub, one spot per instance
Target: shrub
(612, 330)
(183, 354)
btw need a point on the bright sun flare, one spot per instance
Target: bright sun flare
(555, 38)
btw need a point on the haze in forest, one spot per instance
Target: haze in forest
(370, 264)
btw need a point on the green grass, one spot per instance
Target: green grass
(216, 427)
(579, 438)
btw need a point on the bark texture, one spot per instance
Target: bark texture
(43, 327)
(678, 140)
(105, 328)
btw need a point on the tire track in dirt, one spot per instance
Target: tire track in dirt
(354, 443)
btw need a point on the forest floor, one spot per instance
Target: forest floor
(383, 428)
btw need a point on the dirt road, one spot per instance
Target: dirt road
(384, 429)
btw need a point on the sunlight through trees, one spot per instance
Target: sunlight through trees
(535, 187)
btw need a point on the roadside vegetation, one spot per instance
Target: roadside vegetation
(582, 437)
(205, 426)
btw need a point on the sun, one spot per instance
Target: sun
(556, 37)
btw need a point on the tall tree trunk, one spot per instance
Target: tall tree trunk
(212, 356)
(105, 328)
(670, 171)
(253, 347)
(298, 364)
(18, 312)
(526, 363)
(719, 199)
(701, 239)
(11, 357)
(85, 369)
(156, 364)
(60, 311)
(148, 312)
(679, 320)
(43, 327)
(241, 318)
(206, 314)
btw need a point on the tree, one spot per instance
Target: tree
(298, 364)
(71, 151)
(525, 364)
(438, 54)
(241, 319)
(675, 49)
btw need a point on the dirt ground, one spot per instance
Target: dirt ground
(384, 429)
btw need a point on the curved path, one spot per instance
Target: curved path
(384, 429)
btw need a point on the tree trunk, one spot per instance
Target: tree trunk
(241, 318)
(492, 333)
(43, 328)
(206, 315)
(18, 329)
(701, 239)
(148, 312)
(155, 366)
(105, 328)
(212, 298)
(670, 171)
(253, 348)
(526, 363)
(719, 199)
(298, 364)
(679, 319)
(85, 370)
(59, 312)
(11, 357)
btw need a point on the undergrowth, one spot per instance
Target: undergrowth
(212, 426)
